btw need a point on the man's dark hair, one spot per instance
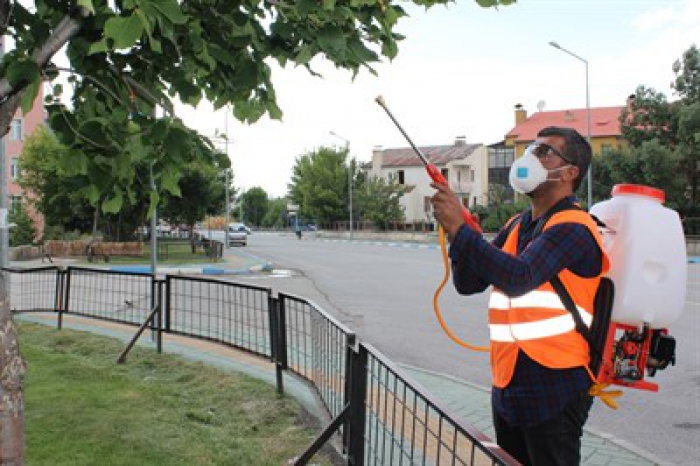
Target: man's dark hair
(577, 149)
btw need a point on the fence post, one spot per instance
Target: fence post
(349, 358)
(280, 341)
(358, 398)
(66, 297)
(159, 316)
(167, 303)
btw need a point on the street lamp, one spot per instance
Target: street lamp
(588, 110)
(347, 148)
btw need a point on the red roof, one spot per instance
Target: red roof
(605, 121)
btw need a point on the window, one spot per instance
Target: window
(605, 148)
(471, 173)
(400, 177)
(465, 201)
(427, 206)
(446, 173)
(16, 129)
(14, 168)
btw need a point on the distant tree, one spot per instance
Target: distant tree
(23, 232)
(276, 215)
(255, 204)
(320, 184)
(675, 129)
(53, 192)
(202, 193)
(378, 201)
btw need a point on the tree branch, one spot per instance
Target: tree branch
(66, 29)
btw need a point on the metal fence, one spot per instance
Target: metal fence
(220, 311)
(379, 416)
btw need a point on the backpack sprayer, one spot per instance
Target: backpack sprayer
(436, 176)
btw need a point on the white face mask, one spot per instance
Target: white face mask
(527, 172)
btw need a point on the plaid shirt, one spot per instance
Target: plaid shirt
(535, 393)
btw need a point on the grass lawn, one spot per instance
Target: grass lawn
(169, 252)
(82, 408)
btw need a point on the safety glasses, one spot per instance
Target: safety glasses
(540, 149)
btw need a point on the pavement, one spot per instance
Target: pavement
(468, 402)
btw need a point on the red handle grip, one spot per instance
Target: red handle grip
(437, 177)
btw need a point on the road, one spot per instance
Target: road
(385, 294)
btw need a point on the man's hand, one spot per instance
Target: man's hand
(447, 209)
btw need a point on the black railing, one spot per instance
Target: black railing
(109, 295)
(378, 414)
(231, 313)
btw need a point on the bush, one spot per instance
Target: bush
(23, 232)
(495, 216)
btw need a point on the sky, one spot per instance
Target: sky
(459, 72)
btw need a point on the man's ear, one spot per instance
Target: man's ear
(572, 173)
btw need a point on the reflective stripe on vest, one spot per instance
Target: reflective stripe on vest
(535, 299)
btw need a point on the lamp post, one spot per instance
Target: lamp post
(347, 148)
(588, 110)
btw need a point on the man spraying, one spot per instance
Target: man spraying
(539, 361)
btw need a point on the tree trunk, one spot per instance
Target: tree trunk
(95, 219)
(12, 370)
(193, 243)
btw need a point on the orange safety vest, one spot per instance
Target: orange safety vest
(537, 322)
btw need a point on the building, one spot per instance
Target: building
(606, 135)
(11, 147)
(465, 166)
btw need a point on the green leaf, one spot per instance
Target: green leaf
(91, 193)
(21, 71)
(29, 94)
(98, 47)
(113, 205)
(331, 40)
(169, 182)
(87, 4)
(304, 56)
(170, 10)
(124, 31)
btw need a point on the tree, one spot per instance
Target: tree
(675, 127)
(53, 193)
(203, 192)
(255, 204)
(276, 213)
(651, 164)
(320, 184)
(22, 233)
(378, 201)
(127, 57)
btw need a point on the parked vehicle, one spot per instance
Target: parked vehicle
(237, 235)
(239, 227)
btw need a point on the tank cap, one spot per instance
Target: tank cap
(641, 190)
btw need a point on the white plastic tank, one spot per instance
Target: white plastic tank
(648, 261)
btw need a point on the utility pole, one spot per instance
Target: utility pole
(154, 230)
(227, 215)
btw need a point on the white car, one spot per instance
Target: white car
(239, 227)
(237, 235)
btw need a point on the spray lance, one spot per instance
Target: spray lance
(437, 177)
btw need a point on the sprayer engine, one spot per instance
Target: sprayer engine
(630, 351)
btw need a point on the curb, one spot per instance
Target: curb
(259, 265)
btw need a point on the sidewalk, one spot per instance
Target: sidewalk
(468, 402)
